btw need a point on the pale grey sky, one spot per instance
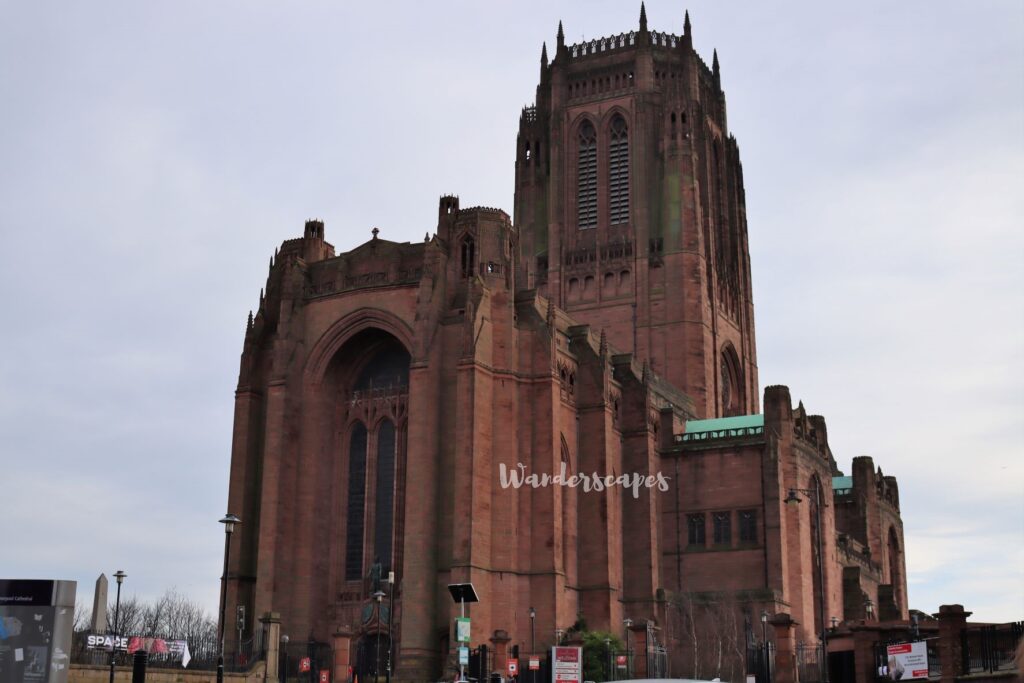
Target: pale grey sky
(152, 155)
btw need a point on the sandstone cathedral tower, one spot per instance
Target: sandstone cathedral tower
(607, 330)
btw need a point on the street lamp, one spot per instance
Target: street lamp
(533, 642)
(284, 653)
(792, 499)
(229, 521)
(764, 626)
(626, 623)
(608, 650)
(391, 616)
(378, 596)
(120, 576)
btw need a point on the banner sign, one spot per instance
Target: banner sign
(154, 646)
(620, 661)
(513, 666)
(463, 656)
(534, 663)
(567, 665)
(462, 629)
(908, 661)
(325, 676)
(304, 664)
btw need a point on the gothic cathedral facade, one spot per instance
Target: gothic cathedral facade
(387, 392)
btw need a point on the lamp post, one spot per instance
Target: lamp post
(284, 653)
(229, 521)
(120, 576)
(626, 623)
(608, 651)
(533, 642)
(378, 596)
(764, 626)
(391, 616)
(793, 498)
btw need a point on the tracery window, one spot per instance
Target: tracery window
(586, 177)
(356, 503)
(468, 256)
(722, 528)
(695, 533)
(385, 498)
(618, 172)
(748, 526)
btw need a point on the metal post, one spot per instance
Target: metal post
(462, 613)
(533, 642)
(391, 619)
(229, 522)
(120, 575)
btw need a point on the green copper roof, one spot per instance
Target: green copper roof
(842, 483)
(722, 423)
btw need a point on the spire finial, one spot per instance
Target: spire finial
(643, 16)
(249, 324)
(714, 64)
(686, 23)
(561, 35)
(375, 231)
(544, 54)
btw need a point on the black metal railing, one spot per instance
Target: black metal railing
(203, 651)
(761, 661)
(990, 648)
(809, 663)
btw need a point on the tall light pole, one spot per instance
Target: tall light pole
(626, 623)
(229, 521)
(792, 499)
(120, 576)
(533, 642)
(378, 596)
(391, 617)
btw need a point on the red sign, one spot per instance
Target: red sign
(325, 676)
(513, 666)
(304, 664)
(620, 661)
(534, 663)
(567, 665)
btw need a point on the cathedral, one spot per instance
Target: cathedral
(394, 399)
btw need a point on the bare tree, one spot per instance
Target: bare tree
(171, 616)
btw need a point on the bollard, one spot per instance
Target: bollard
(139, 666)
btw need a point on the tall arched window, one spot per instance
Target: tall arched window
(895, 580)
(618, 172)
(385, 494)
(586, 177)
(468, 256)
(356, 504)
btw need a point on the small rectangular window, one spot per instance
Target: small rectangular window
(748, 526)
(695, 532)
(723, 528)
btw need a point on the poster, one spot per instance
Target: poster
(566, 665)
(908, 661)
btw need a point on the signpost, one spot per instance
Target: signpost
(462, 593)
(566, 664)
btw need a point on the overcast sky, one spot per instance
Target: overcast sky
(153, 154)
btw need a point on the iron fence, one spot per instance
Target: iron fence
(810, 662)
(239, 655)
(303, 661)
(990, 648)
(761, 661)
